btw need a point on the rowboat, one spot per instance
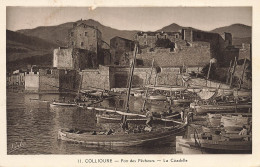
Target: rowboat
(123, 139)
(62, 104)
(227, 120)
(221, 136)
(228, 107)
(157, 97)
(137, 119)
(231, 145)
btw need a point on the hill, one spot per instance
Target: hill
(174, 28)
(237, 30)
(19, 46)
(58, 34)
(171, 28)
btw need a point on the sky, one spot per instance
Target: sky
(130, 18)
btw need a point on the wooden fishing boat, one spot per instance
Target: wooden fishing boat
(214, 144)
(181, 101)
(226, 107)
(137, 119)
(227, 120)
(122, 138)
(64, 104)
(150, 136)
(157, 97)
(222, 135)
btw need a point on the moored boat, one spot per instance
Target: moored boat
(122, 138)
(125, 137)
(228, 144)
(226, 107)
(63, 104)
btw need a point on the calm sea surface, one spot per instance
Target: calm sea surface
(32, 126)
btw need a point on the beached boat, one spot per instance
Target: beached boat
(229, 120)
(228, 144)
(224, 107)
(150, 136)
(223, 134)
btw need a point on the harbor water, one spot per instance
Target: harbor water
(32, 125)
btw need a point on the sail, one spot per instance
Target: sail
(206, 94)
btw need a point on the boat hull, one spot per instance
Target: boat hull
(188, 146)
(63, 104)
(136, 120)
(203, 109)
(124, 140)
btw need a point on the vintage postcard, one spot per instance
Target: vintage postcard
(135, 84)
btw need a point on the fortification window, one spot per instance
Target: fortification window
(145, 35)
(86, 33)
(71, 34)
(81, 43)
(48, 71)
(176, 36)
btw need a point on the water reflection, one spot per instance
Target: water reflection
(32, 121)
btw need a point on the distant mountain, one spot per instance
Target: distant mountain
(241, 33)
(171, 28)
(174, 28)
(58, 34)
(20, 48)
(237, 30)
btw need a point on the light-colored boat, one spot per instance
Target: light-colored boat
(157, 97)
(62, 104)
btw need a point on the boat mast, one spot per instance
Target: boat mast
(130, 84)
(233, 71)
(148, 83)
(242, 75)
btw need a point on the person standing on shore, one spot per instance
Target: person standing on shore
(149, 116)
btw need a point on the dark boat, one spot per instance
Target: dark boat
(218, 108)
(164, 135)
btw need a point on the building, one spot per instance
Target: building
(149, 38)
(85, 49)
(108, 77)
(74, 58)
(188, 47)
(16, 78)
(51, 80)
(119, 48)
(85, 37)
